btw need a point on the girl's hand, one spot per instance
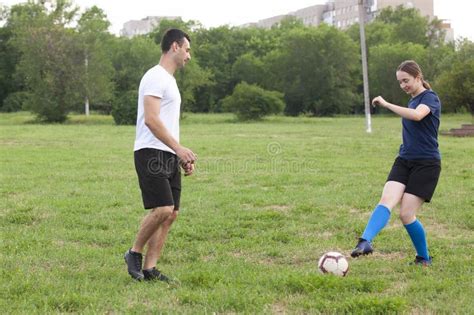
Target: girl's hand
(379, 100)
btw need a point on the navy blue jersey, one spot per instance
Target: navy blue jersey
(420, 138)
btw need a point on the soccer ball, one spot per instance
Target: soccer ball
(333, 262)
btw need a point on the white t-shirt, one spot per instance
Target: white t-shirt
(158, 82)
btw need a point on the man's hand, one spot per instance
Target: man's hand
(185, 155)
(186, 159)
(188, 168)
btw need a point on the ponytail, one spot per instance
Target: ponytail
(426, 85)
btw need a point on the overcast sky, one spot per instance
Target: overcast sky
(213, 13)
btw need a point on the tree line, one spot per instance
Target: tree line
(54, 60)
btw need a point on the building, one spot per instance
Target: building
(339, 13)
(347, 12)
(424, 6)
(312, 15)
(143, 26)
(449, 32)
(344, 13)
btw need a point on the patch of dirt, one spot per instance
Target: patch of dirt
(279, 208)
(278, 308)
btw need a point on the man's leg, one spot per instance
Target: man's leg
(154, 248)
(150, 225)
(157, 241)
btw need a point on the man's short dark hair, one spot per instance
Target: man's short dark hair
(173, 35)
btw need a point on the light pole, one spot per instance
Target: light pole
(86, 105)
(365, 75)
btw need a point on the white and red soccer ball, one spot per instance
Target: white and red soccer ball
(334, 263)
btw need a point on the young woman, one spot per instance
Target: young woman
(416, 170)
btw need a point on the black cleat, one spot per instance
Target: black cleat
(362, 248)
(154, 274)
(422, 261)
(134, 264)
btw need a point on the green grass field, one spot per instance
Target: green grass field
(267, 200)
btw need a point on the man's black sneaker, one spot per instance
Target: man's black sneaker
(154, 274)
(422, 261)
(134, 264)
(362, 248)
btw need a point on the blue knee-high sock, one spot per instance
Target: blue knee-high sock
(418, 237)
(377, 221)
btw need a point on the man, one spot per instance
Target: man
(159, 155)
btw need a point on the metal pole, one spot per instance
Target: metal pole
(86, 105)
(365, 75)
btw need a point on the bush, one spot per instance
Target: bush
(250, 102)
(124, 109)
(14, 102)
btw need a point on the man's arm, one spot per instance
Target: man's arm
(153, 122)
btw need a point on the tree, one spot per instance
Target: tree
(455, 85)
(250, 102)
(249, 68)
(436, 57)
(3, 13)
(8, 60)
(315, 68)
(190, 80)
(51, 62)
(376, 32)
(408, 25)
(217, 50)
(97, 84)
(11, 96)
(52, 68)
(124, 108)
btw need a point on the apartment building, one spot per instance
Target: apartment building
(343, 13)
(143, 26)
(339, 13)
(347, 12)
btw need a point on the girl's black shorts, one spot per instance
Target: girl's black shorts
(419, 176)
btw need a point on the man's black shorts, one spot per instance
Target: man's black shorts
(419, 176)
(159, 176)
